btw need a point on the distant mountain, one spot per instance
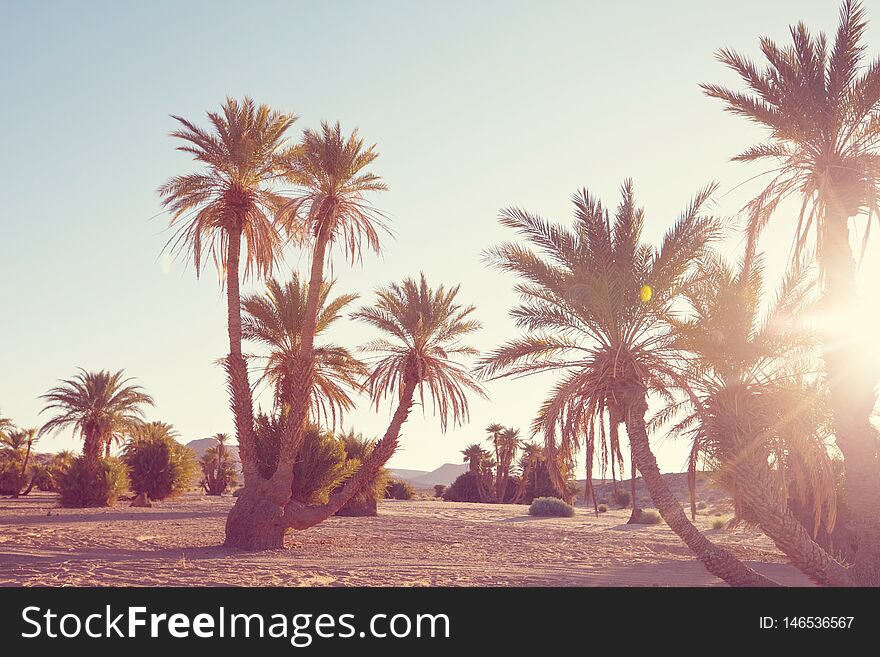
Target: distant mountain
(409, 475)
(445, 475)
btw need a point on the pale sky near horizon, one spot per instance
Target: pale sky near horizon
(475, 106)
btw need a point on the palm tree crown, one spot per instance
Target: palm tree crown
(100, 406)
(328, 170)
(584, 314)
(820, 109)
(276, 321)
(425, 327)
(243, 157)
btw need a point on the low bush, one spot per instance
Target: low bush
(551, 506)
(47, 476)
(465, 488)
(82, 486)
(158, 465)
(439, 489)
(719, 523)
(622, 498)
(603, 508)
(397, 489)
(649, 517)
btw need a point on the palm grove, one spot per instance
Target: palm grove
(778, 411)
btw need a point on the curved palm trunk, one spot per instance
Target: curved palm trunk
(717, 560)
(260, 523)
(236, 368)
(852, 375)
(761, 494)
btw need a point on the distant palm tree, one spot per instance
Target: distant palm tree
(328, 206)
(100, 406)
(232, 199)
(474, 454)
(595, 302)
(276, 319)
(5, 424)
(18, 441)
(532, 455)
(820, 105)
(477, 459)
(747, 405)
(425, 327)
(218, 473)
(507, 446)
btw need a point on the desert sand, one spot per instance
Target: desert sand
(410, 543)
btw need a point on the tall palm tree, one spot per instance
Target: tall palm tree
(100, 406)
(748, 411)
(495, 430)
(233, 198)
(5, 424)
(820, 104)
(276, 319)
(425, 328)
(329, 206)
(594, 303)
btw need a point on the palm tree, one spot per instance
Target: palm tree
(232, 198)
(425, 328)
(217, 469)
(275, 320)
(748, 405)
(329, 206)
(508, 444)
(18, 441)
(5, 424)
(474, 455)
(820, 105)
(588, 315)
(100, 406)
(532, 455)
(477, 459)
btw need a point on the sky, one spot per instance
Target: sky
(473, 106)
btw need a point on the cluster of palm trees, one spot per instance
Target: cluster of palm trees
(762, 398)
(758, 394)
(257, 198)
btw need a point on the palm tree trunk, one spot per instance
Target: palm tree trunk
(236, 368)
(852, 375)
(717, 560)
(761, 494)
(636, 512)
(303, 372)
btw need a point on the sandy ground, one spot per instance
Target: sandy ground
(419, 543)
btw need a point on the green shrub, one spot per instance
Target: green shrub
(603, 508)
(551, 506)
(14, 476)
(465, 488)
(439, 489)
(357, 448)
(397, 489)
(649, 517)
(622, 498)
(83, 487)
(47, 476)
(719, 523)
(158, 465)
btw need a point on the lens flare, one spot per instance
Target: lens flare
(646, 293)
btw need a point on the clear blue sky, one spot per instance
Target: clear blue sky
(474, 106)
